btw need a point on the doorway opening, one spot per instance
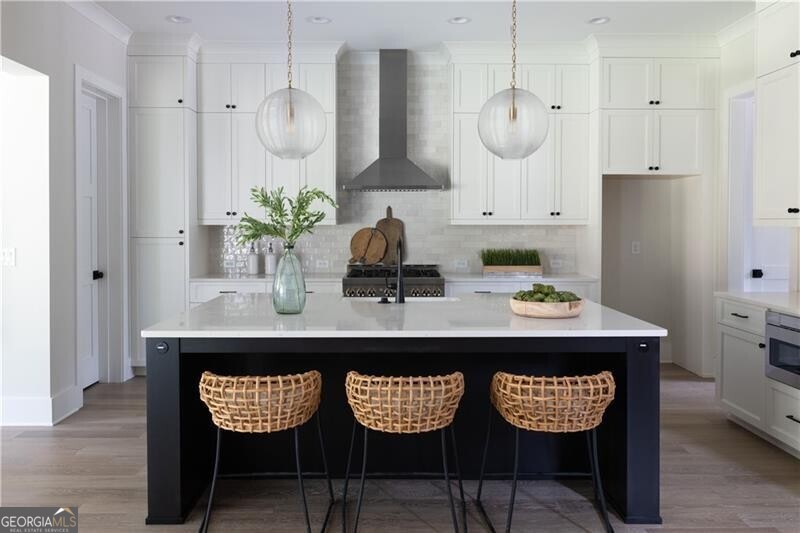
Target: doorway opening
(758, 256)
(101, 260)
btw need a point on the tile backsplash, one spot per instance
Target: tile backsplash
(429, 236)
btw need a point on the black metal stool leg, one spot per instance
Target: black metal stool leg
(347, 478)
(447, 480)
(514, 481)
(478, 501)
(460, 481)
(207, 515)
(598, 483)
(591, 465)
(300, 477)
(331, 497)
(363, 479)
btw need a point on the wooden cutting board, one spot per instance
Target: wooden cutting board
(367, 246)
(392, 228)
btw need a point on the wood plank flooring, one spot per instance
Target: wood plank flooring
(715, 477)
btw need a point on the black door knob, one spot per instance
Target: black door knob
(180, 100)
(96, 274)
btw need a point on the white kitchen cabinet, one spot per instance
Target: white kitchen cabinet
(161, 81)
(777, 36)
(741, 374)
(541, 81)
(286, 173)
(777, 168)
(159, 286)
(235, 88)
(571, 89)
(663, 142)
(454, 288)
(562, 88)
(157, 160)
(469, 169)
(232, 161)
(502, 189)
(204, 291)
(318, 170)
(319, 80)
(665, 83)
(538, 193)
(571, 179)
(783, 413)
(470, 86)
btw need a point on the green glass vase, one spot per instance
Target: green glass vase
(289, 287)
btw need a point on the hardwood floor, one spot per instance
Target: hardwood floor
(715, 477)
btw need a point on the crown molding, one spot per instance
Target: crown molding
(269, 52)
(500, 52)
(165, 44)
(102, 18)
(653, 45)
(741, 27)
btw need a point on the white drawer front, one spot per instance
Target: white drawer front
(783, 408)
(741, 316)
(200, 292)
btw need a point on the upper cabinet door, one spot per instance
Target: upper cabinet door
(627, 83)
(777, 169)
(537, 191)
(541, 81)
(572, 88)
(468, 170)
(214, 168)
(319, 170)
(777, 36)
(248, 87)
(248, 165)
(684, 84)
(572, 168)
(319, 80)
(627, 141)
(469, 88)
(678, 142)
(500, 79)
(284, 173)
(214, 87)
(158, 81)
(157, 171)
(503, 185)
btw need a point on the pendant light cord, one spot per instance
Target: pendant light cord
(514, 44)
(289, 41)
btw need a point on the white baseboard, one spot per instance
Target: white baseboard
(66, 403)
(26, 411)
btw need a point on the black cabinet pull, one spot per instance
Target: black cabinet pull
(482, 292)
(180, 243)
(180, 100)
(794, 54)
(227, 292)
(762, 345)
(737, 315)
(793, 418)
(793, 210)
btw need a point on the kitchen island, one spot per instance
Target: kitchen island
(475, 334)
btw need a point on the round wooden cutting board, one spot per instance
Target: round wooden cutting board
(367, 246)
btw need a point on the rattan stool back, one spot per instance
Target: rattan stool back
(552, 404)
(404, 404)
(261, 404)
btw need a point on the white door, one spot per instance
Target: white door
(627, 83)
(538, 195)
(319, 170)
(678, 142)
(776, 183)
(469, 170)
(86, 240)
(572, 168)
(249, 165)
(214, 168)
(627, 141)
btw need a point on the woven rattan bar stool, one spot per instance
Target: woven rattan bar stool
(265, 404)
(404, 405)
(550, 405)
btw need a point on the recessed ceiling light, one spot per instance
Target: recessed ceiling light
(599, 20)
(459, 20)
(177, 19)
(319, 20)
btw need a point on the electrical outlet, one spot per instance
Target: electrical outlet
(555, 263)
(636, 247)
(229, 263)
(323, 264)
(9, 257)
(461, 264)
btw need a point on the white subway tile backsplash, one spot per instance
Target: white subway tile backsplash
(429, 236)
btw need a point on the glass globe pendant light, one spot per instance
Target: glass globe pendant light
(513, 123)
(290, 123)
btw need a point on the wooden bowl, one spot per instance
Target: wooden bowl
(546, 309)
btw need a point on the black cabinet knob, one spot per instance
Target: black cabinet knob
(762, 345)
(484, 213)
(228, 213)
(794, 54)
(552, 107)
(552, 213)
(490, 213)
(558, 213)
(180, 232)
(656, 168)
(180, 243)
(96, 274)
(227, 106)
(649, 168)
(180, 100)
(233, 213)
(658, 102)
(558, 107)
(652, 102)
(793, 210)
(233, 106)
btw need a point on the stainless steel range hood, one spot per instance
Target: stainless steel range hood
(393, 171)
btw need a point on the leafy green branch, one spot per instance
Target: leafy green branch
(287, 218)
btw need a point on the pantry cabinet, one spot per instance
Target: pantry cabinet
(777, 168)
(663, 83)
(663, 142)
(237, 88)
(161, 81)
(777, 36)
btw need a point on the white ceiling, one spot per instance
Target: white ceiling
(420, 25)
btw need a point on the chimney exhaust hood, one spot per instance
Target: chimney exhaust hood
(393, 171)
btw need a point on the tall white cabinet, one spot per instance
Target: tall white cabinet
(162, 125)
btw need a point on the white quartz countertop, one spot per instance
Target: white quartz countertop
(240, 278)
(782, 302)
(545, 278)
(332, 315)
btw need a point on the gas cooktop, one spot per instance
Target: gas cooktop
(381, 280)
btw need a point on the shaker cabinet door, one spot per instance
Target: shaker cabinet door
(214, 87)
(678, 142)
(320, 170)
(572, 168)
(214, 168)
(627, 141)
(469, 169)
(538, 181)
(469, 88)
(572, 88)
(248, 87)
(249, 165)
(777, 36)
(627, 83)
(741, 374)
